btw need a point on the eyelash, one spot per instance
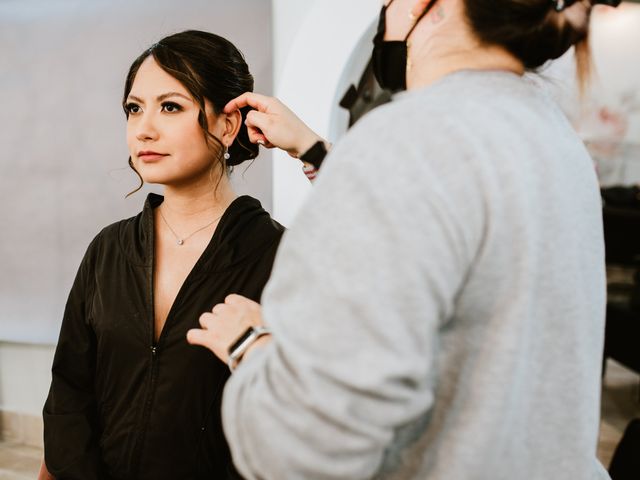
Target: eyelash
(176, 108)
(129, 108)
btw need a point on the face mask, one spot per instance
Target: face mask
(390, 57)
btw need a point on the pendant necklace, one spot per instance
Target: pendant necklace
(180, 240)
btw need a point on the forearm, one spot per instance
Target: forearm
(276, 431)
(70, 412)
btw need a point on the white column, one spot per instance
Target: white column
(313, 44)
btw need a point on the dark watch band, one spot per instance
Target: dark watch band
(242, 344)
(315, 155)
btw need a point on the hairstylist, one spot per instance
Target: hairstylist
(438, 311)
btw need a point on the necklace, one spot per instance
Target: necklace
(180, 240)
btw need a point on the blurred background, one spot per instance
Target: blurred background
(63, 171)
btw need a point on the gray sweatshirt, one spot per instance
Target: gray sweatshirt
(438, 305)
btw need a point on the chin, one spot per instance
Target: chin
(173, 175)
(153, 177)
(154, 173)
(175, 181)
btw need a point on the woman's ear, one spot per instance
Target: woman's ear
(232, 124)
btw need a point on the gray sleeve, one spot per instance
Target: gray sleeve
(362, 284)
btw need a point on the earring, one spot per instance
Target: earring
(226, 155)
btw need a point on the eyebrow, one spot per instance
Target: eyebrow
(159, 98)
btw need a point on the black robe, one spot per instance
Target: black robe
(122, 406)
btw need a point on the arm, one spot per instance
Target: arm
(362, 285)
(70, 412)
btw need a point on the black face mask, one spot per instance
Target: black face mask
(390, 57)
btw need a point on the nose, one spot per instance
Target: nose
(146, 129)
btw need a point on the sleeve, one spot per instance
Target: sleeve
(363, 282)
(70, 412)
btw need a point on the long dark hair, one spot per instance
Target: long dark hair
(210, 68)
(531, 30)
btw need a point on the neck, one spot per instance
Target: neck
(449, 50)
(195, 202)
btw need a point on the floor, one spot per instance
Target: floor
(18, 462)
(620, 403)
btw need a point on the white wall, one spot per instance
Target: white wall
(25, 373)
(63, 156)
(312, 48)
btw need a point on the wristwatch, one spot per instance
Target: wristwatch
(242, 344)
(315, 155)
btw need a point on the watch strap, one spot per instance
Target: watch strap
(242, 344)
(315, 155)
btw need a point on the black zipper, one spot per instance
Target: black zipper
(146, 412)
(154, 346)
(153, 374)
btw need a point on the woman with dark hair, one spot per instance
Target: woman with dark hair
(438, 312)
(129, 398)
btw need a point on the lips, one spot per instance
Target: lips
(150, 156)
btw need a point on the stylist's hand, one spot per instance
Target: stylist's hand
(226, 322)
(272, 124)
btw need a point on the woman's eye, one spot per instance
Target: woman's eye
(132, 108)
(171, 107)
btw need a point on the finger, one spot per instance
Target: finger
(235, 299)
(257, 123)
(256, 136)
(219, 309)
(206, 320)
(195, 336)
(259, 120)
(251, 99)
